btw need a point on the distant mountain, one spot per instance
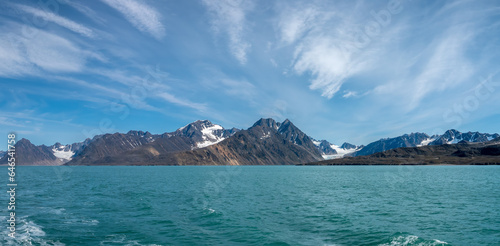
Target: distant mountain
(204, 143)
(348, 146)
(66, 152)
(422, 139)
(325, 148)
(462, 153)
(28, 154)
(2, 153)
(407, 140)
(199, 134)
(332, 151)
(267, 142)
(453, 136)
(106, 145)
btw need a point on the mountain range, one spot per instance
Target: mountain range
(461, 153)
(267, 142)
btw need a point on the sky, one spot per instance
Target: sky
(353, 71)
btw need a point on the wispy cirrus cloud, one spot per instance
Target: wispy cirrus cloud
(59, 20)
(90, 13)
(230, 17)
(142, 16)
(201, 107)
(47, 52)
(327, 43)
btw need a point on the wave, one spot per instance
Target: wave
(122, 240)
(412, 240)
(27, 233)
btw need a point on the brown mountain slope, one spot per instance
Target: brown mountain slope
(265, 143)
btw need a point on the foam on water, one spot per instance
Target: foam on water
(27, 233)
(122, 240)
(412, 240)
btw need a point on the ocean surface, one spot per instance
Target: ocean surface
(256, 205)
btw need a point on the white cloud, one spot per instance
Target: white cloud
(348, 94)
(293, 23)
(182, 102)
(446, 68)
(229, 16)
(144, 17)
(66, 23)
(327, 44)
(328, 64)
(29, 56)
(441, 66)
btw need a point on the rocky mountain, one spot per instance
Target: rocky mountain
(462, 153)
(2, 153)
(267, 142)
(29, 154)
(66, 152)
(204, 133)
(407, 140)
(325, 148)
(453, 136)
(422, 139)
(204, 143)
(348, 146)
(332, 151)
(105, 148)
(294, 135)
(106, 145)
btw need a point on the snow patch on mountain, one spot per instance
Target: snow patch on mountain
(427, 141)
(209, 136)
(61, 153)
(341, 152)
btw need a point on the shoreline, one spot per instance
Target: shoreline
(306, 164)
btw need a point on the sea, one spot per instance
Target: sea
(254, 205)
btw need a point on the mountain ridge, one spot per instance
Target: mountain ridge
(141, 147)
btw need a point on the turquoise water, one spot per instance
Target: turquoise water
(257, 205)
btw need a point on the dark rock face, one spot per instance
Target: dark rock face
(270, 123)
(325, 148)
(294, 135)
(411, 140)
(29, 154)
(348, 146)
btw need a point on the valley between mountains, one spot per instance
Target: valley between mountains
(266, 142)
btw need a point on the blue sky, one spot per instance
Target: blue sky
(342, 71)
